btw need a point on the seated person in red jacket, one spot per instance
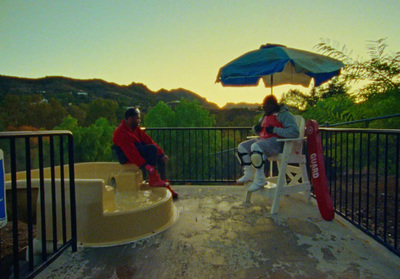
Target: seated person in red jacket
(133, 145)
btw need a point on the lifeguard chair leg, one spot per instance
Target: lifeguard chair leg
(281, 182)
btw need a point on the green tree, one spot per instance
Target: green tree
(334, 109)
(381, 70)
(375, 99)
(101, 108)
(92, 143)
(191, 114)
(31, 110)
(77, 112)
(236, 117)
(161, 115)
(296, 98)
(95, 142)
(381, 104)
(186, 114)
(45, 114)
(301, 100)
(11, 113)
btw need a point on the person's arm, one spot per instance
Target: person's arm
(128, 147)
(257, 128)
(290, 128)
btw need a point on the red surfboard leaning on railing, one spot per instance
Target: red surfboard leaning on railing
(318, 175)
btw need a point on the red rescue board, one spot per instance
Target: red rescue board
(318, 174)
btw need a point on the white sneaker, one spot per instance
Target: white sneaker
(259, 182)
(248, 176)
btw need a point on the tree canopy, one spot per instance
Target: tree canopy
(185, 114)
(335, 102)
(381, 70)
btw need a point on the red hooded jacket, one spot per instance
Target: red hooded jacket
(126, 139)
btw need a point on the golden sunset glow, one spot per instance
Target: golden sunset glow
(180, 43)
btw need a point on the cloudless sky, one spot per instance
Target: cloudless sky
(179, 43)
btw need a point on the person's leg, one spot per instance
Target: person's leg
(243, 155)
(162, 170)
(257, 160)
(161, 167)
(270, 146)
(260, 151)
(149, 153)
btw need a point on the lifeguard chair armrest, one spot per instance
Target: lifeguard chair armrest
(280, 139)
(291, 139)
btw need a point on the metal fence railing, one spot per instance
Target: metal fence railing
(362, 168)
(26, 156)
(201, 155)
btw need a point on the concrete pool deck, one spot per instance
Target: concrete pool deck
(216, 236)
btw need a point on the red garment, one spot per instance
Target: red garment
(269, 120)
(126, 138)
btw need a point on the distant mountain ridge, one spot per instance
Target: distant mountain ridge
(134, 94)
(241, 105)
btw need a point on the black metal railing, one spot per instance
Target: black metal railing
(26, 155)
(362, 168)
(201, 155)
(364, 121)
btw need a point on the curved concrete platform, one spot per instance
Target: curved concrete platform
(114, 205)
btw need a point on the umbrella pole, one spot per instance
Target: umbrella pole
(272, 84)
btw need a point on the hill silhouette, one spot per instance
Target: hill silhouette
(87, 90)
(69, 91)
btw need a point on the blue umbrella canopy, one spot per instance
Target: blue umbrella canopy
(278, 65)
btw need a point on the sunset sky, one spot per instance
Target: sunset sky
(180, 43)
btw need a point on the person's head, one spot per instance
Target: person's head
(132, 117)
(270, 105)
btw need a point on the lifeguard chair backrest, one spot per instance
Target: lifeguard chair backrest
(297, 146)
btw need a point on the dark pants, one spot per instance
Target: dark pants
(149, 153)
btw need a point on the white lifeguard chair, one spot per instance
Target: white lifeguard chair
(292, 171)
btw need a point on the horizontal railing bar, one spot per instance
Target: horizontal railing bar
(197, 128)
(33, 133)
(361, 120)
(361, 130)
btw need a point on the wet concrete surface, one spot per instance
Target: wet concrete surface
(217, 236)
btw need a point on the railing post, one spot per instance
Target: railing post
(72, 193)
(14, 208)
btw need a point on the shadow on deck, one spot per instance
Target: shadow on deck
(217, 237)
